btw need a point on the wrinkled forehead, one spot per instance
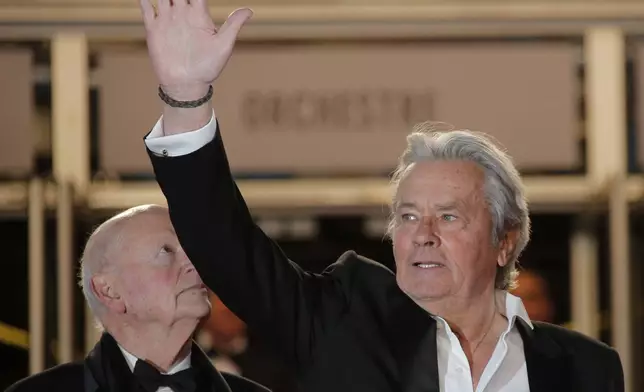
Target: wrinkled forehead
(441, 182)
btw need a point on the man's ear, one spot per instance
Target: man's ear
(106, 293)
(507, 246)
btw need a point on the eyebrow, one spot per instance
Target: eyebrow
(448, 206)
(440, 207)
(407, 205)
(165, 237)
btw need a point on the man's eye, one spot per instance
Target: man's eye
(448, 217)
(407, 217)
(167, 249)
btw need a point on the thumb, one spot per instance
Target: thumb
(234, 23)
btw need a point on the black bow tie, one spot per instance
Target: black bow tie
(151, 379)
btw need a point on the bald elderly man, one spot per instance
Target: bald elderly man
(148, 298)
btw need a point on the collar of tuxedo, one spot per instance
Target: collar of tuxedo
(106, 370)
(151, 378)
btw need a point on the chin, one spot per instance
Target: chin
(194, 306)
(194, 312)
(202, 307)
(421, 291)
(205, 309)
(426, 295)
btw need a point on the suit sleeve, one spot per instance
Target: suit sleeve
(616, 383)
(290, 307)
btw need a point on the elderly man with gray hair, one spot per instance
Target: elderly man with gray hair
(443, 322)
(149, 299)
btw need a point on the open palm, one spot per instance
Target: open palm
(185, 46)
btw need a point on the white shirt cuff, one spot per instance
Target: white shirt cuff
(182, 143)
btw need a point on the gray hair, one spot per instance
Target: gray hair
(503, 187)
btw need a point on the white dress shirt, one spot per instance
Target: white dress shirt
(179, 366)
(506, 370)
(182, 143)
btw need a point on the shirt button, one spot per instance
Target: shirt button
(164, 152)
(459, 370)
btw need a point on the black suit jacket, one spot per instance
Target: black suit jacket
(105, 370)
(349, 328)
(260, 365)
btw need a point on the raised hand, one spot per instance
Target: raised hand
(187, 50)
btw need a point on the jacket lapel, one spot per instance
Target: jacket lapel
(411, 334)
(106, 369)
(207, 374)
(412, 339)
(548, 365)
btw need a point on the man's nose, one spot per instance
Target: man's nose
(426, 234)
(186, 264)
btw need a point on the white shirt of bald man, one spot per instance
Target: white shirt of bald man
(176, 368)
(506, 370)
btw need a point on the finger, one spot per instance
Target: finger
(203, 4)
(234, 23)
(164, 5)
(147, 10)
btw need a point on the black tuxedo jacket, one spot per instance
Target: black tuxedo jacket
(260, 365)
(351, 328)
(105, 370)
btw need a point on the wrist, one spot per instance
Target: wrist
(186, 92)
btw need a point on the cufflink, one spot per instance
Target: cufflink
(164, 152)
